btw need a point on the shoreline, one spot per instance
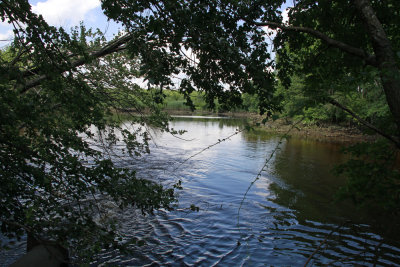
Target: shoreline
(326, 132)
(323, 132)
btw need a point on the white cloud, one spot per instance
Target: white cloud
(65, 12)
(285, 15)
(6, 36)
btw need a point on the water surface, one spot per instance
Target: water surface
(285, 216)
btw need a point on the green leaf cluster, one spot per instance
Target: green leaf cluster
(58, 91)
(57, 168)
(208, 42)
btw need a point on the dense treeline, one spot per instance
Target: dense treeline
(367, 100)
(174, 101)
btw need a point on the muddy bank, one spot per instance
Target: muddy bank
(321, 132)
(210, 113)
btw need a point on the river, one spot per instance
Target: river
(284, 218)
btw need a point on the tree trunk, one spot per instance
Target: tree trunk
(385, 57)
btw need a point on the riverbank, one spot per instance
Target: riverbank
(210, 113)
(319, 132)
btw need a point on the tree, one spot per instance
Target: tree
(336, 45)
(231, 48)
(340, 48)
(230, 57)
(220, 47)
(54, 175)
(337, 40)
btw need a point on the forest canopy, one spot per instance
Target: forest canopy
(58, 87)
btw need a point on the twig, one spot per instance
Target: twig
(210, 146)
(262, 170)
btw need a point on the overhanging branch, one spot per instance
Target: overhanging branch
(368, 58)
(112, 47)
(365, 123)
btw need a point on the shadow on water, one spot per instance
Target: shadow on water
(286, 215)
(301, 180)
(305, 167)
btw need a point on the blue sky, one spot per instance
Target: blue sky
(67, 14)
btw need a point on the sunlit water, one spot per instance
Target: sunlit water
(284, 218)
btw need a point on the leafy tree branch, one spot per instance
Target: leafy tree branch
(115, 46)
(369, 59)
(365, 123)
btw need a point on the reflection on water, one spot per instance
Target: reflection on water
(286, 215)
(305, 166)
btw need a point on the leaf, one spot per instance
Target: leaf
(264, 121)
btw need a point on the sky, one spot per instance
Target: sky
(67, 14)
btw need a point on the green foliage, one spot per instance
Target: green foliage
(328, 71)
(231, 57)
(56, 166)
(58, 89)
(250, 103)
(298, 105)
(366, 98)
(313, 71)
(174, 100)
